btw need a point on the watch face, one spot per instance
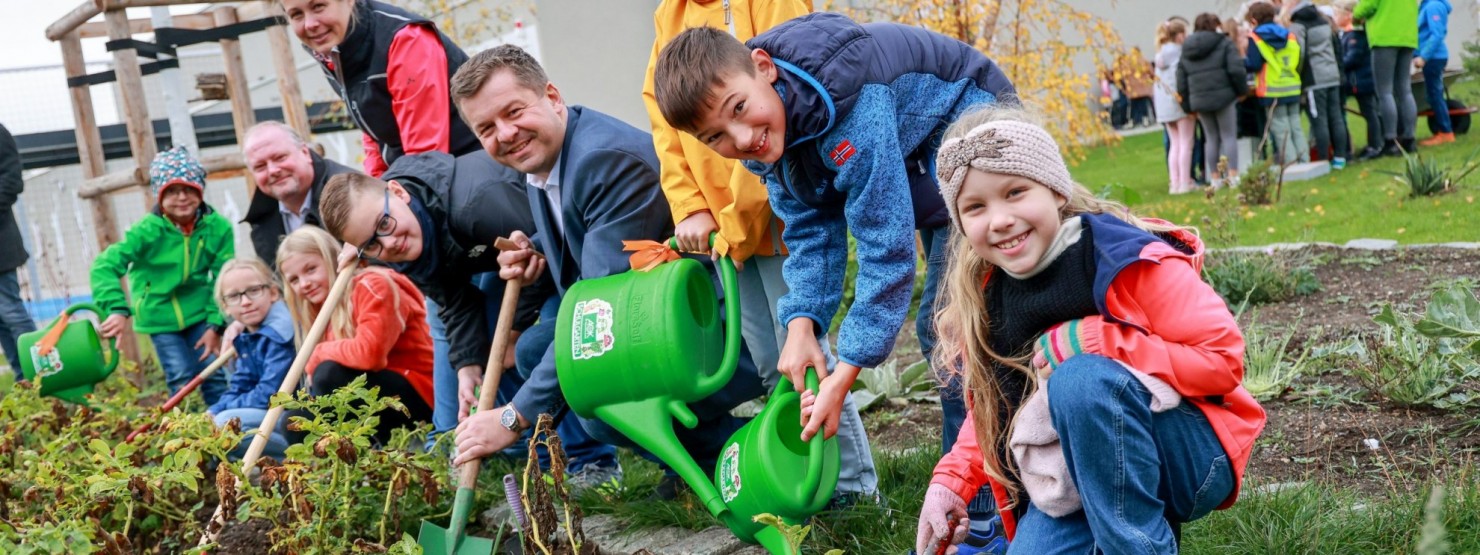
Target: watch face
(507, 418)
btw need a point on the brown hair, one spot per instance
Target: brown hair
(1261, 12)
(688, 69)
(1207, 21)
(1169, 30)
(475, 72)
(340, 193)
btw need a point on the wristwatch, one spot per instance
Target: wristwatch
(509, 419)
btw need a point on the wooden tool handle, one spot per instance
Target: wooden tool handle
(184, 392)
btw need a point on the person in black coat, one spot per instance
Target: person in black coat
(14, 320)
(290, 179)
(1356, 67)
(1210, 78)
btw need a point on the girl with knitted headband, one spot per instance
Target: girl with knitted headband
(1090, 349)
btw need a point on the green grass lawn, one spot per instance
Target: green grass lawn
(1357, 202)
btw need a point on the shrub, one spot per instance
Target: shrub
(1427, 177)
(1269, 369)
(1247, 278)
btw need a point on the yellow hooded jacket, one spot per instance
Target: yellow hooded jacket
(694, 177)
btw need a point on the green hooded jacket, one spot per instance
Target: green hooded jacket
(1391, 23)
(171, 277)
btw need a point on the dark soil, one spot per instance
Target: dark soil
(1319, 430)
(245, 538)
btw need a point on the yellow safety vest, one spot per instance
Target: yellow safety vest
(1284, 81)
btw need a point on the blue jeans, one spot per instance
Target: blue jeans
(251, 419)
(444, 378)
(580, 447)
(1433, 87)
(14, 320)
(181, 361)
(1135, 470)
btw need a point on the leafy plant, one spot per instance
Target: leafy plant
(1269, 370)
(1246, 278)
(1453, 317)
(886, 383)
(1260, 183)
(795, 534)
(1408, 367)
(1427, 177)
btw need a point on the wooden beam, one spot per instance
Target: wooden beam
(131, 86)
(295, 113)
(105, 5)
(186, 21)
(236, 83)
(72, 20)
(102, 185)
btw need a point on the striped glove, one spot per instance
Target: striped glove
(1058, 344)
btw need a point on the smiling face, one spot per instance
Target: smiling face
(238, 287)
(308, 276)
(320, 24)
(1010, 221)
(179, 202)
(399, 236)
(520, 127)
(745, 119)
(282, 167)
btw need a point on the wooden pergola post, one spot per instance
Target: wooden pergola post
(295, 114)
(242, 115)
(135, 109)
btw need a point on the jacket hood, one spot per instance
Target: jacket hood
(1201, 44)
(1273, 35)
(1439, 4)
(1309, 15)
(279, 323)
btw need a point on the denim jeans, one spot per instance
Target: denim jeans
(1433, 88)
(444, 378)
(1286, 134)
(761, 285)
(14, 320)
(251, 419)
(1135, 470)
(1328, 123)
(581, 449)
(181, 361)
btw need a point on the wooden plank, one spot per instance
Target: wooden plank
(236, 82)
(72, 20)
(121, 4)
(295, 112)
(102, 185)
(131, 86)
(196, 21)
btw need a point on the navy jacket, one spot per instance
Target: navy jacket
(865, 109)
(263, 358)
(609, 192)
(266, 218)
(1356, 61)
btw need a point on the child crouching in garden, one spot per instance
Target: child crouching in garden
(378, 330)
(1090, 349)
(264, 348)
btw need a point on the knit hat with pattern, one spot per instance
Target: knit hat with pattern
(1006, 147)
(175, 166)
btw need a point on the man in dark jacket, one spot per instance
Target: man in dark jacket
(290, 178)
(14, 320)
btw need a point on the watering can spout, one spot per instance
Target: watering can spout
(649, 423)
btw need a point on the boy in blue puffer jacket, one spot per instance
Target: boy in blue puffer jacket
(843, 121)
(1431, 57)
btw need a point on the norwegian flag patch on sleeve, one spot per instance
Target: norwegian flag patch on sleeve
(842, 152)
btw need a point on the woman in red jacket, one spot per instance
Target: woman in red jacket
(378, 330)
(1104, 374)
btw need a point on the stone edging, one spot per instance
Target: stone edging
(1354, 244)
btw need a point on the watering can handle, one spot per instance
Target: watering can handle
(730, 285)
(813, 479)
(49, 342)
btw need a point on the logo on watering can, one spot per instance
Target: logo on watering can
(591, 334)
(47, 364)
(729, 473)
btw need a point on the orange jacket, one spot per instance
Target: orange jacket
(693, 176)
(390, 331)
(1161, 318)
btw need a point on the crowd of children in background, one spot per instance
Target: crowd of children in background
(1253, 76)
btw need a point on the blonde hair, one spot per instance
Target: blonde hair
(250, 264)
(318, 243)
(1169, 30)
(962, 324)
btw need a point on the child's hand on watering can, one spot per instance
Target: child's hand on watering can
(802, 351)
(693, 232)
(523, 264)
(824, 412)
(113, 325)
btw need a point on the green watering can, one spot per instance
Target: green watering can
(69, 358)
(635, 348)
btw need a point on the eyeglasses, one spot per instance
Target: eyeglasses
(255, 292)
(384, 227)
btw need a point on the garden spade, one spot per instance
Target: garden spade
(184, 392)
(434, 539)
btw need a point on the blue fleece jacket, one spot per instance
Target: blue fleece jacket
(262, 361)
(1433, 26)
(1276, 37)
(865, 108)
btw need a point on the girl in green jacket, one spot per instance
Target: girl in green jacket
(172, 258)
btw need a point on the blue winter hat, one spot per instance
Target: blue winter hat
(175, 166)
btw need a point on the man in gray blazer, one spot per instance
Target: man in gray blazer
(593, 182)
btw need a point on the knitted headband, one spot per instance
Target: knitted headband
(1006, 147)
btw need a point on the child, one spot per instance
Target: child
(1432, 56)
(1136, 355)
(378, 330)
(709, 193)
(248, 293)
(172, 258)
(1321, 75)
(1392, 32)
(1274, 56)
(1210, 78)
(1356, 63)
(841, 119)
(1179, 125)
